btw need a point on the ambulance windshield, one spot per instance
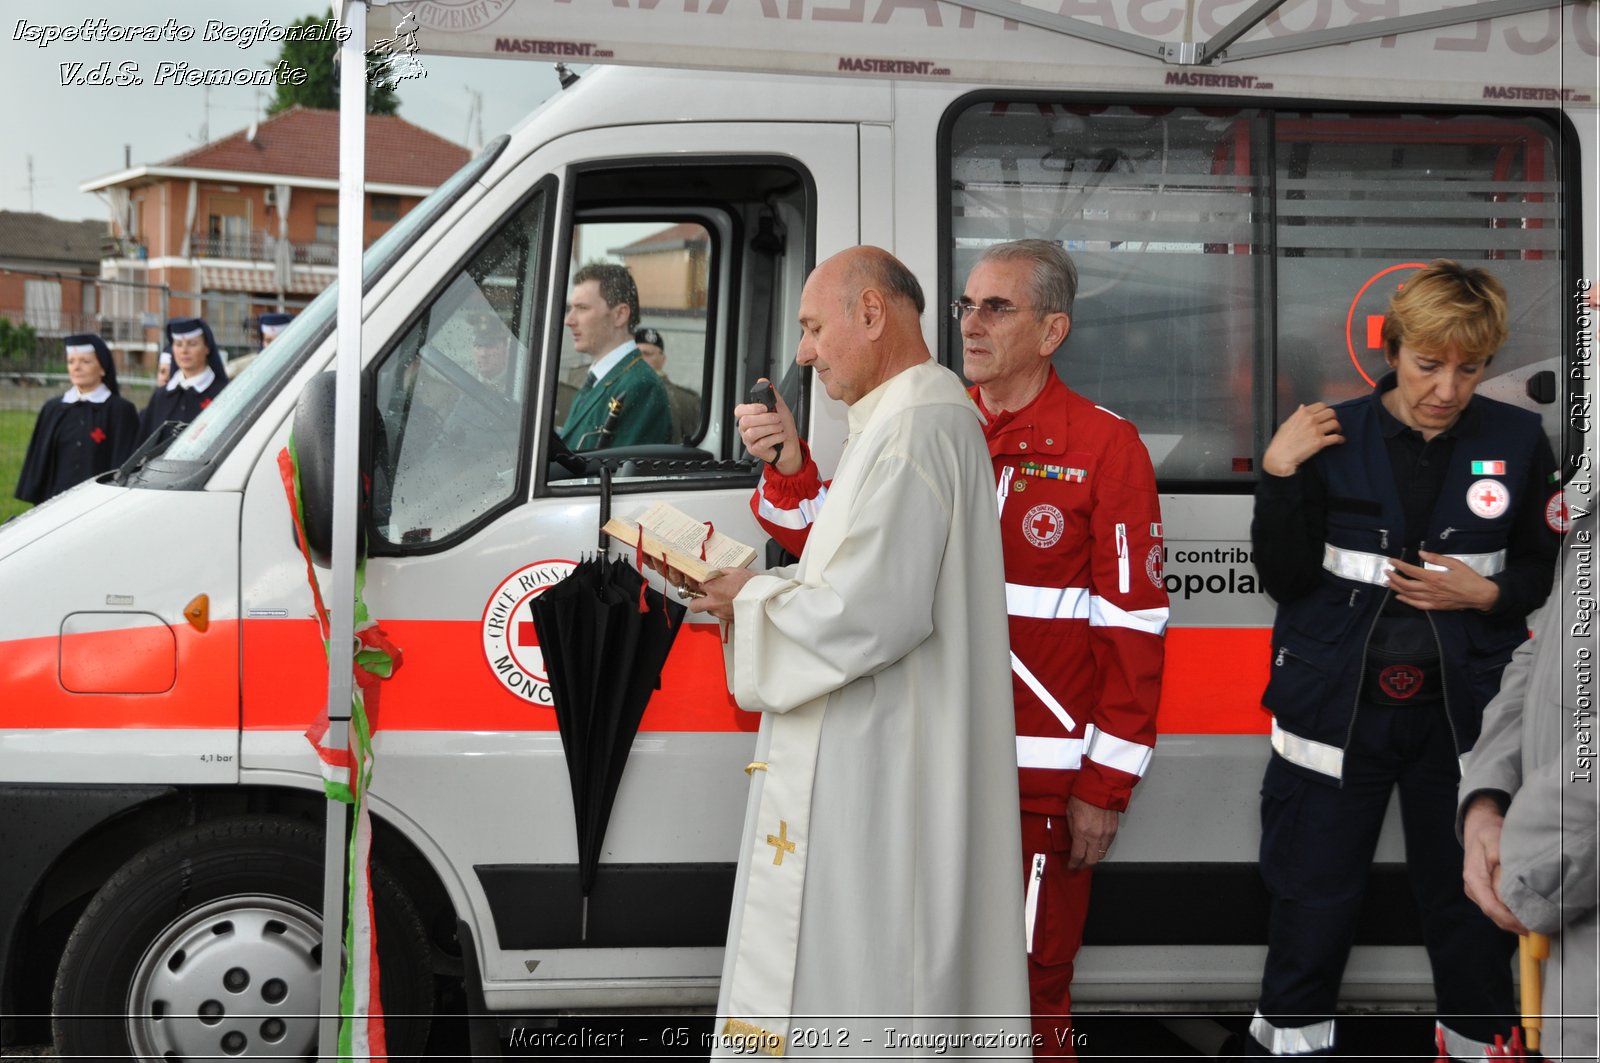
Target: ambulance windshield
(186, 462)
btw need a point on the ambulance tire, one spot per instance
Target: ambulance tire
(155, 939)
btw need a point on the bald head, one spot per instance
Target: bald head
(873, 267)
(858, 315)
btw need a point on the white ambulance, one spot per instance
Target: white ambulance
(1239, 213)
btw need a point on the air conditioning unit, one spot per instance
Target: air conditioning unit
(272, 197)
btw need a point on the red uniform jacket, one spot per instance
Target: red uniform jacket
(1080, 526)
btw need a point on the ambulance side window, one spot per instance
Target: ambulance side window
(716, 250)
(452, 395)
(1236, 261)
(669, 259)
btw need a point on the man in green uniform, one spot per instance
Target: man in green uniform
(622, 402)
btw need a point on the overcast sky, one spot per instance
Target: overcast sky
(69, 134)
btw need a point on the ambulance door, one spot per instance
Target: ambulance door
(473, 517)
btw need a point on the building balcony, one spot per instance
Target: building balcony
(262, 247)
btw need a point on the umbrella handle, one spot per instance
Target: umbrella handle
(1532, 950)
(605, 505)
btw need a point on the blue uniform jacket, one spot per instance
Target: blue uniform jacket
(1319, 640)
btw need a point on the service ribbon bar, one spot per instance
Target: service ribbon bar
(1055, 472)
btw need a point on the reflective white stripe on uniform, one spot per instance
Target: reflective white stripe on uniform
(1318, 756)
(1122, 559)
(1114, 752)
(1363, 567)
(1357, 564)
(1291, 1040)
(1460, 1046)
(1049, 699)
(1059, 754)
(1104, 613)
(1035, 878)
(1048, 603)
(799, 518)
(1005, 488)
(1485, 565)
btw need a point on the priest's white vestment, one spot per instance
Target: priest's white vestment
(877, 885)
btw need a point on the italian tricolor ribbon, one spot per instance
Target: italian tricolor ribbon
(346, 777)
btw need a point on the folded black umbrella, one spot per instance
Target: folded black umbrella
(605, 635)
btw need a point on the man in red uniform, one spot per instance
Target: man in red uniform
(1081, 531)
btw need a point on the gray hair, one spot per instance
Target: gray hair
(1054, 284)
(879, 269)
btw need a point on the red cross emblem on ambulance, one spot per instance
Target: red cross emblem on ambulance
(510, 640)
(1488, 498)
(1044, 525)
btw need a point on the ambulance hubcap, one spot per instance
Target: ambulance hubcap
(236, 977)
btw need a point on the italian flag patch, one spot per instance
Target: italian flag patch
(1488, 468)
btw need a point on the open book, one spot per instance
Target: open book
(673, 536)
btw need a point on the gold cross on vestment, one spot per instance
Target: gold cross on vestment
(780, 842)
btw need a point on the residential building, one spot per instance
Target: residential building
(248, 224)
(47, 272)
(669, 267)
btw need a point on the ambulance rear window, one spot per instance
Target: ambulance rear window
(1234, 262)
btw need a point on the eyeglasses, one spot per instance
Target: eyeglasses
(988, 312)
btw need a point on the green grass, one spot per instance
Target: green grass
(16, 427)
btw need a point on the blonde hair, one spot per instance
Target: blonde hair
(1445, 305)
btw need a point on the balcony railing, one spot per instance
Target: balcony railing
(262, 247)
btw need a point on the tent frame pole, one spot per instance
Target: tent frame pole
(346, 476)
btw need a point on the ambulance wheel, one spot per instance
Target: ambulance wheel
(208, 945)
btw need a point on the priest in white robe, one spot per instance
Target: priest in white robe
(876, 909)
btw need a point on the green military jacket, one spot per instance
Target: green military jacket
(644, 416)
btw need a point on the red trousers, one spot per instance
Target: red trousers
(1056, 902)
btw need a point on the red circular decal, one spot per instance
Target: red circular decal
(1350, 317)
(510, 643)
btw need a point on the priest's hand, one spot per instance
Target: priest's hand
(1457, 587)
(719, 591)
(687, 587)
(1092, 830)
(763, 429)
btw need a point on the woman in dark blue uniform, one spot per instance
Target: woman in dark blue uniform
(198, 376)
(90, 430)
(1406, 536)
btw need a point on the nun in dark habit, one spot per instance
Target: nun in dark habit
(198, 376)
(90, 430)
(272, 324)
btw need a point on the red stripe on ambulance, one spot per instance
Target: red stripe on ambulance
(1212, 685)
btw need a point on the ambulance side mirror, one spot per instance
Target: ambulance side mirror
(313, 445)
